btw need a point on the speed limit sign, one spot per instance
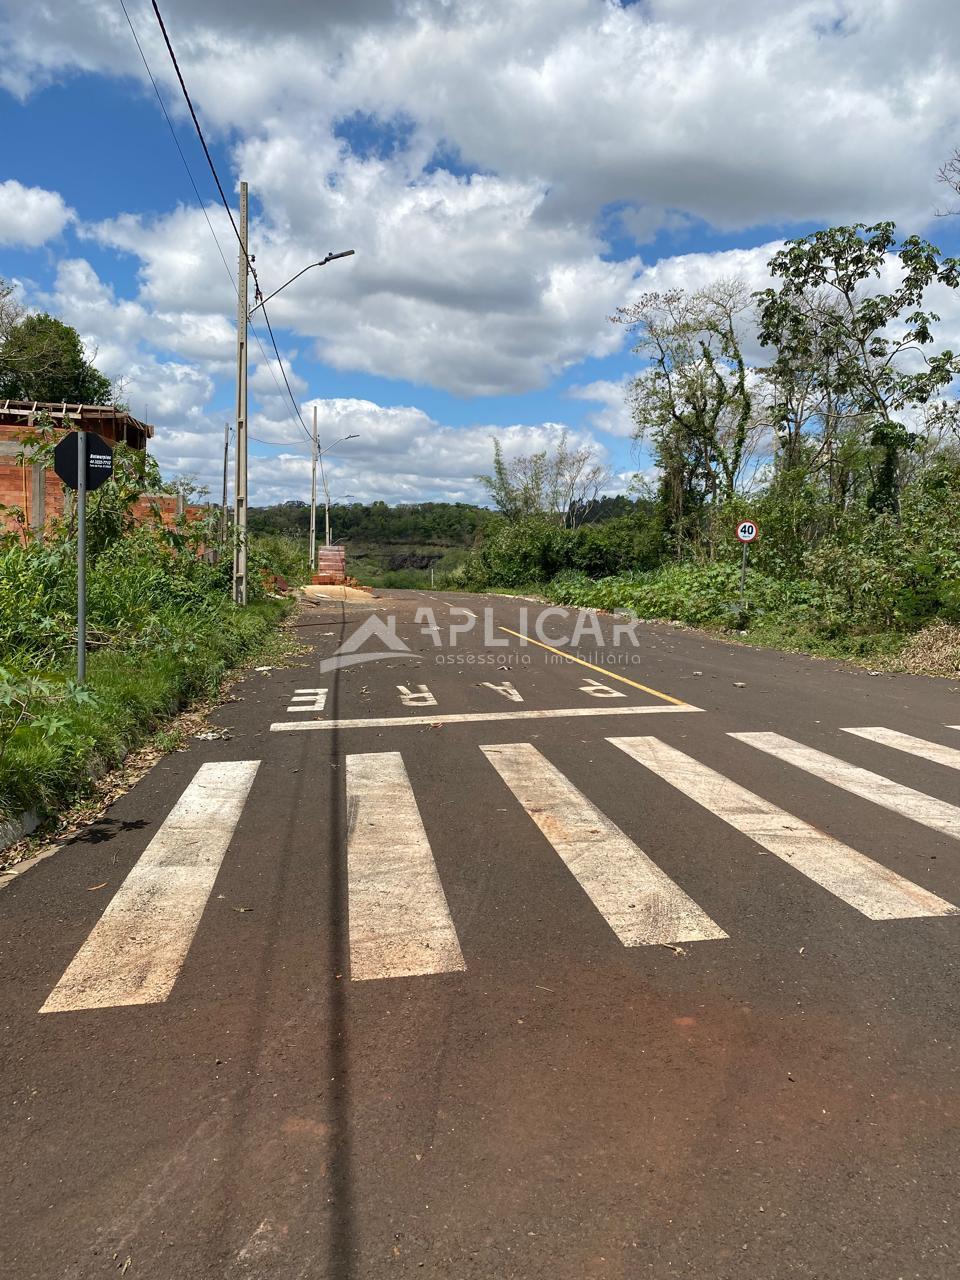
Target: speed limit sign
(747, 531)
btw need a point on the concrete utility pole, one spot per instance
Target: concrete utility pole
(81, 555)
(326, 509)
(323, 474)
(226, 464)
(313, 494)
(244, 312)
(240, 486)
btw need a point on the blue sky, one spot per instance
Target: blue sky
(508, 172)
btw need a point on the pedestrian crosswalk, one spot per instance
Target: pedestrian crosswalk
(874, 890)
(639, 902)
(400, 923)
(135, 952)
(934, 751)
(936, 814)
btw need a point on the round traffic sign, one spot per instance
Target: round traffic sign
(747, 531)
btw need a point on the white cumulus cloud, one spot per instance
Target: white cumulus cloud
(29, 216)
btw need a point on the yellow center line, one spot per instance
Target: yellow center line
(604, 671)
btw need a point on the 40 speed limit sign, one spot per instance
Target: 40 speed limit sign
(747, 531)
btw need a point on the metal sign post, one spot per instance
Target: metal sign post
(81, 556)
(746, 533)
(83, 466)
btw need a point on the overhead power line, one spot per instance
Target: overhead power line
(243, 310)
(223, 200)
(176, 140)
(284, 372)
(200, 200)
(196, 124)
(229, 213)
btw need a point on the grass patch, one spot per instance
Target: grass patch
(795, 616)
(49, 761)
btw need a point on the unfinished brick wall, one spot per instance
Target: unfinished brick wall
(169, 506)
(33, 490)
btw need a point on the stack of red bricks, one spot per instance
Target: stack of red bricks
(331, 567)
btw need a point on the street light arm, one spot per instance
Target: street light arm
(321, 452)
(331, 257)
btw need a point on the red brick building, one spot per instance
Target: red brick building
(36, 490)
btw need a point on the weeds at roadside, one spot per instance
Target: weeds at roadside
(278, 644)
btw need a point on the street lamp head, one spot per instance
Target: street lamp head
(332, 257)
(322, 262)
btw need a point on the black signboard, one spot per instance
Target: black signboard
(99, 460)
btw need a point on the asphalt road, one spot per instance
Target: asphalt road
(402, 992)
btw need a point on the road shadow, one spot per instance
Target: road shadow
(342, 1238)
(105, 829)
(330, 1192)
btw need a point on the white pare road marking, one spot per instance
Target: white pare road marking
(418, 697)
(400, 924)
(598, 690)
(852, 877)
(933, 751)
(135, 951)
(506, 690)
(475, 717)
(891, 795)
(639, 902)
(308, 700)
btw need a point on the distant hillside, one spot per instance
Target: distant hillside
(402, 546)
(442, 524)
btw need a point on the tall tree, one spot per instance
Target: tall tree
(857, 354)
(694, 400)
(41, 358)
(11, 311)
(562, 483)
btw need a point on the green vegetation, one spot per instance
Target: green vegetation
(444, 524)
(162, 630)
(398, 546)
(385, 546)
(41, 358)
(844, 447)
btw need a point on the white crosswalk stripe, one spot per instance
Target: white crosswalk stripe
(641, 904)
(856, 879)
(896, 797)
(934, 751)
(136, 950)
(399, 920)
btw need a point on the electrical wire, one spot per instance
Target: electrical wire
(203, 141)
(176, 141)
(226, 205)
(203, 208)
(293, 400)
